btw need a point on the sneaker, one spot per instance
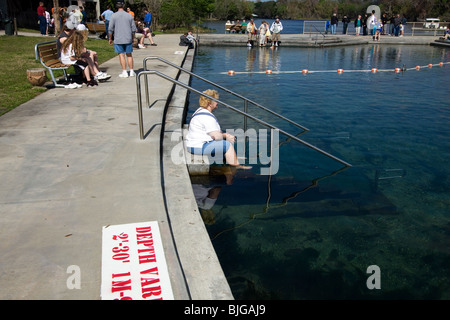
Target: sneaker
(141, 46)
(154, 44)
(71, 86)
(132, 73)
(124, 74)
(102, 76)
(92, 83)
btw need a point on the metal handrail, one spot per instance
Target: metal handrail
(141, 125)
(246, 100)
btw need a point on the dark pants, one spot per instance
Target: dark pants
(396, 30)
(43, 25)
(344, 30)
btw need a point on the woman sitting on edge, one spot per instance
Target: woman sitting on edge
(205, 136)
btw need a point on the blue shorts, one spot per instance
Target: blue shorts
(123, 48)
(211, 148)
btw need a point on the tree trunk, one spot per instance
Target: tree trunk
(56, 17)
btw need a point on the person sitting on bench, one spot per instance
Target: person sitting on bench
(74, 53)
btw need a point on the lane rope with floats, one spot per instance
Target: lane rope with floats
(339, 71)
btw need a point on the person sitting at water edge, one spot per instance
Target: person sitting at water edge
(205, 136)
(447, 33)
(185, 42)
(191, 38)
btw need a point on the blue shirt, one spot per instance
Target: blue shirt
(107, 14)
(148, 18)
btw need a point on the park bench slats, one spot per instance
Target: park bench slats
(47, 54)
(96, 27)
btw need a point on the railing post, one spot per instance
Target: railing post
(245, 126)
(245, 118)
(139, 99)
(176, 82)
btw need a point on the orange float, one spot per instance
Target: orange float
(340, 70)
(231, 73)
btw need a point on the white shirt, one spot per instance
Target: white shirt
(372, 21)
(202, 123)
(276, 27)
(65, 56)
(201, 194)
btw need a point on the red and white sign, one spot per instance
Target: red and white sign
(133, 263)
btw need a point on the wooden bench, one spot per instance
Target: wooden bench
(47, 54)
(97, 28)
(233, 28)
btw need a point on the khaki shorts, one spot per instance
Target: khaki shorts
(275, 37)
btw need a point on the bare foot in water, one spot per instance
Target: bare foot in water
(242, 167)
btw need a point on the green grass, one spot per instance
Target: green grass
(17, 56)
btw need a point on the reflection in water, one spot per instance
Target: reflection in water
(207, 189)
(307, 233)
(206, 196)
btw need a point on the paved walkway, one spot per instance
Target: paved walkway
(72, 162)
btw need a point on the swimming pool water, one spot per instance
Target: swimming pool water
(311, 231)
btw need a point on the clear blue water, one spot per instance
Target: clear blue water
(310, 232)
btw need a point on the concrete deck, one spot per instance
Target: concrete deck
(71, 162)
(315, 40)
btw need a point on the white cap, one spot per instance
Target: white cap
(81, 27)
(70, 25)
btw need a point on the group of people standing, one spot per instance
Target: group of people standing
(143, 28)
(370, 24)
(121, 33)
(47, 20)
(264, 34)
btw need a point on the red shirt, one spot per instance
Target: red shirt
(41, 11)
